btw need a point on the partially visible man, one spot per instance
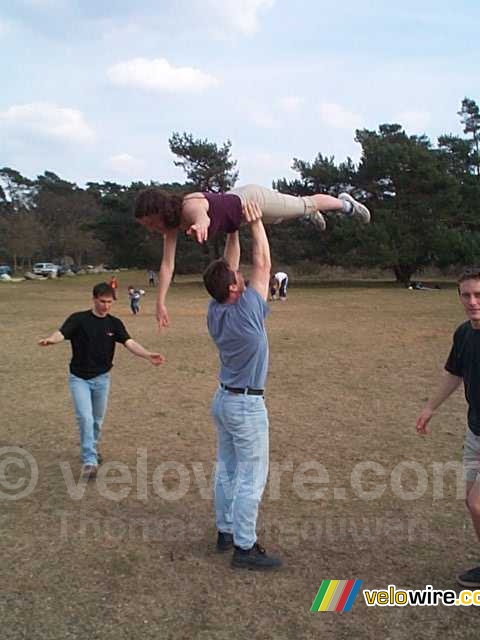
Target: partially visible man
(93, 335)
(236, 323)
(464, 364)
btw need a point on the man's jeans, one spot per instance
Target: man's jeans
(242, 463)
(90, 399)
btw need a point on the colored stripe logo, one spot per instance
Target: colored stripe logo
(336, 595)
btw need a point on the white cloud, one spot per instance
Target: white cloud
(263, 118)
(159, 75)
(240, 15)
(414, 121)
(5, 27)
(46, 4)
(48, 120)
(125, 163)
(337, 116)
(291, 104)
(261, 167)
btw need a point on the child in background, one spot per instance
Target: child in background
(135, 296)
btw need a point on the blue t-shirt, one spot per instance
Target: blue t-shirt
(238, 330)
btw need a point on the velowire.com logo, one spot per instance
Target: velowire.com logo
(336, 595)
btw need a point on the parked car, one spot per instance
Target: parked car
(45, 269)
(4, 268)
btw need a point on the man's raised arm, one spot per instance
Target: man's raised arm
(232, 251)
(261, 263)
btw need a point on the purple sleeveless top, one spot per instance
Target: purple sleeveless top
(224, 211)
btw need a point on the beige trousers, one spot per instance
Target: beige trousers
(275, 206)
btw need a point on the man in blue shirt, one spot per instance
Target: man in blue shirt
(236, 318)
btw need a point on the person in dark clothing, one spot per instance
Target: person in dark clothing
(93, 335)
(202, 215)
(463, 364)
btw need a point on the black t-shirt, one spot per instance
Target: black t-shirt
(464, 361)
(93, 342)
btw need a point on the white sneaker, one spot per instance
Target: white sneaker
(359, 210)
(318, 220)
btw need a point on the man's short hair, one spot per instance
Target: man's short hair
(218, 277)
(102, 289)
(469, 273)
(157, 202)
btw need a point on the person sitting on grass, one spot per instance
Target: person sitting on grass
(202, 215)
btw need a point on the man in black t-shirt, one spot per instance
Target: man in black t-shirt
(464, 364)
(93, 335)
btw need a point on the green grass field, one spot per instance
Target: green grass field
(350, 369)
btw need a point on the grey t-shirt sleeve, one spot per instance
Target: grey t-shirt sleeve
(252, 307)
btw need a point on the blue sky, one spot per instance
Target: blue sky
(92, 90)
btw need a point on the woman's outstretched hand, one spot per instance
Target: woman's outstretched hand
(162, 316)
(199, 230)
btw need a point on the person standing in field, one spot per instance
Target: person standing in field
(463, 365)
(93, 335)
(114, 284)
(236, 323)
(135, 295)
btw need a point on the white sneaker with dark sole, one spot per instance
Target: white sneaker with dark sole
(359, 210)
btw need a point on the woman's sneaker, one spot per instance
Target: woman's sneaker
(255, 558)
(358, 210)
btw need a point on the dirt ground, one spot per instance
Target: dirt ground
(349, 371)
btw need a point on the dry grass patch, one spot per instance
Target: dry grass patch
(350, 369)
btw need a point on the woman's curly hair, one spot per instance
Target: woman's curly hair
(156, 202)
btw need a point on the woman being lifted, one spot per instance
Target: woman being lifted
(204, 214)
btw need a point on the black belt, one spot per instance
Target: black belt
(247, 390)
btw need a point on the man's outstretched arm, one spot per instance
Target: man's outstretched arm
(138, 350)
(447, 386)
(232, 251)
(55, 338)
(261, 262)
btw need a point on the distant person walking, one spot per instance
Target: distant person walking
(93, 335)
(463, 364)
(152, 278)
(235, 321)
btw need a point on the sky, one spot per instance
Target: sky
(92, 90)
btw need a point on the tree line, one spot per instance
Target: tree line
(424, 199)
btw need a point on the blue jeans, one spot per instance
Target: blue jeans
(90, 399)
(242, 463)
